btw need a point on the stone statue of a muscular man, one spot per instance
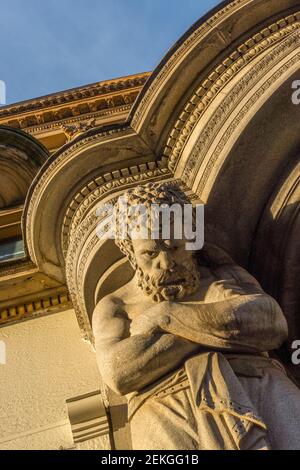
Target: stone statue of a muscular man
(187, 340)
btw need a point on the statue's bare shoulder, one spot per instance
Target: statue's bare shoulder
(227, 281)
(114, 313)
(110, 320)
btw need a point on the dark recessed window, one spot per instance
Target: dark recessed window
(11, 250)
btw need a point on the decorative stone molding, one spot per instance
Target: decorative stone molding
(33, 295)
(193, 59)
(88, 417)
(84, 201)
(193, 38)
(104, 115)
(224, 116)
(46, 112)
(16, 267)
(74, 130)
(217, 80)
(35, 308)
(54, 165)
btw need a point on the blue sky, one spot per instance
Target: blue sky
(53, 45)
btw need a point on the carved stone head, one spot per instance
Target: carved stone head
(166, 270)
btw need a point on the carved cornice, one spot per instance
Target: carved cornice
(58, 125)
(16, 267)
(35, 308)
(33, 294)
(99, 99)
(72, 131)
(219, 78)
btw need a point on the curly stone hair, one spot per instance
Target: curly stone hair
(152, 193)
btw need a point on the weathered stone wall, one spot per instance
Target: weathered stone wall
(47, 363)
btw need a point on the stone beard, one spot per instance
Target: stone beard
(173, 285)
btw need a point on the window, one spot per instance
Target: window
(11, 250)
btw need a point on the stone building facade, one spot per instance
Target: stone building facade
(217, 115)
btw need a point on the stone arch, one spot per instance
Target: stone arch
(275, 257)
(21, 157)
(200, 56)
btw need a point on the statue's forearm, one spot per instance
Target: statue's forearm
(132, 364)
(244, 324)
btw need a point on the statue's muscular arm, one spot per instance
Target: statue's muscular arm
(129, 363)
(245, 320)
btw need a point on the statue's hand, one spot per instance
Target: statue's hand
(229, 288)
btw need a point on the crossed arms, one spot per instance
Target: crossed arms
(132, 356)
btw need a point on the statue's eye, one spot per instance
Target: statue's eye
(151, 254)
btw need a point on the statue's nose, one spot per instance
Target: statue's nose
(165, 261)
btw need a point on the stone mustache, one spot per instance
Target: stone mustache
(187, 342)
